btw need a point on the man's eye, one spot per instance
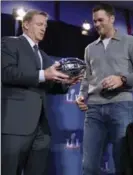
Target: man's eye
(39, 24)
(100, 20)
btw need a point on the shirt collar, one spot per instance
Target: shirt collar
(31, 42)
(117, 36)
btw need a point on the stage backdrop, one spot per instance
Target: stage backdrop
(66, 122)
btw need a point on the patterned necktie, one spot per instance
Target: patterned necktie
(36, 49)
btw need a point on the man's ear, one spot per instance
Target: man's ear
(112, 19)
(26, 25)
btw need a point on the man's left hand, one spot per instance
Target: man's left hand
(112, 82)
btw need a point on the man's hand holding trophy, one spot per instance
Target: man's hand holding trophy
(74, 68)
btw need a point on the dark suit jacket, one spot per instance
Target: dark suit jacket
(22, 94)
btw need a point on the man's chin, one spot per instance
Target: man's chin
(40, 38)
(101, 33)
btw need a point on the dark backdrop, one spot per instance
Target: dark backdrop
(61, 39)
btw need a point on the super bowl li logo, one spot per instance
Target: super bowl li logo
(105, 167)
(105, 163)
(72, 142)
(71, 96)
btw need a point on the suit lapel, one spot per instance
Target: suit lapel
(28, 50)
(43, 65)
(47, 61)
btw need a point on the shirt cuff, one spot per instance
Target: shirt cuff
(41, 76)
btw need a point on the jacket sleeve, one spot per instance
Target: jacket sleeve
(10, 69)
(52, 87)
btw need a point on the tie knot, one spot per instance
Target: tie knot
(36, 47)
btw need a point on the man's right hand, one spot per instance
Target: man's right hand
(81, 103)
(52, 73)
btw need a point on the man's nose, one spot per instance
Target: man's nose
(97, 24)
(43, 29)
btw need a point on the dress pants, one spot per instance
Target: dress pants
(27, 154)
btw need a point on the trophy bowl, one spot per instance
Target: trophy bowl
(73, 67)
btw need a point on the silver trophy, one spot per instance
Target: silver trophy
(72, 66)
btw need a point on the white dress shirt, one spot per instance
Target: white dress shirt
(41, 72)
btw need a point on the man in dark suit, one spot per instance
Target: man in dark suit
(27, 74)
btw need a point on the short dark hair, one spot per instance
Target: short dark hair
(106, 7)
